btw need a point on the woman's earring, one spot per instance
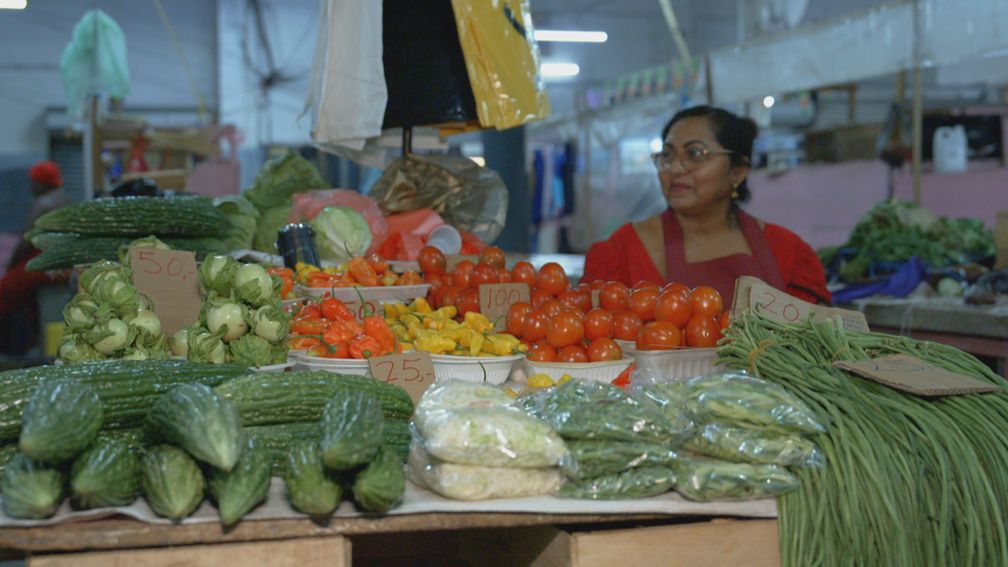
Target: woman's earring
(734, 193)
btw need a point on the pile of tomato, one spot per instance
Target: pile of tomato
(328, 329)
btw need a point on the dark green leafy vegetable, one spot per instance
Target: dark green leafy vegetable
(172, 482)
(107, 474)
(312, 488)
(31, 490)
(351, 430)
(640, 482)
(201, 422)
(380, 486)
(239, 491)
(61, 419)
(589, 459)
(280, 178)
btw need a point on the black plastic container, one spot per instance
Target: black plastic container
(296, 243)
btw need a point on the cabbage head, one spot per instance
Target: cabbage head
(340, 234)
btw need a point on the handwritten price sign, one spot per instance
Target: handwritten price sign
(169, 278)
(412, 371)
(913, 375)
(753, 294)
(496, 299)
(365, 309)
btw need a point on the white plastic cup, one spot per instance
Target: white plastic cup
(446, 239)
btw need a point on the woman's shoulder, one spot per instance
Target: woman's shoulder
(782, 236)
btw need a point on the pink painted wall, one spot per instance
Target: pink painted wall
(822, 203)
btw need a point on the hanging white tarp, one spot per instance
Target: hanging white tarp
(877, 42)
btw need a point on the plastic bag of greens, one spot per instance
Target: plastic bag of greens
(469, 482)
(668, 395)
(738, 398)
(734, 443)
(468, 425)
(640, 482)
(589, 459)
(701, 478)
(591, 410)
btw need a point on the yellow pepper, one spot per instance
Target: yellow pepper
(401, 332)
(448, 312)
(389, 278)
(478, 322)
(433, 342)
(540, 381)
(435, 323)
(395, 310)
(414, 328)
(407, 318)
(455, 333)
(499, 345)
(564, 379)
(420, 305)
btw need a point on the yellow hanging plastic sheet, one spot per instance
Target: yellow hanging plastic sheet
(502, 59)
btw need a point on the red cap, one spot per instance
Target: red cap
(46, 172)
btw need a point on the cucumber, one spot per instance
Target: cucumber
(127, 388)
(107, 474)
(90, 249)
(31, 490)
(277, 440)
(61, 419)
(129, 216)
(196, 419)
(310, 487)
(172, 482)
(242, 489)
(380, 486)
(263, 399)
(351, 431)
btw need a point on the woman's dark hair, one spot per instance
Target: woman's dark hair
(733, 132)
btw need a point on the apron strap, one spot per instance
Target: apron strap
(761, 251)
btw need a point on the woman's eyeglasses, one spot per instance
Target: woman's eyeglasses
(692, 158)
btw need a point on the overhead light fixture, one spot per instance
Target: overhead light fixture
(480, 160)
(768, 101)
(13, 4)
(571, 36)
(656, 145)
(559, 69)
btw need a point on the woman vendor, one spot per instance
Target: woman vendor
(704, 238)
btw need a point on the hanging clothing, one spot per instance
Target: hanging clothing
(779, 257)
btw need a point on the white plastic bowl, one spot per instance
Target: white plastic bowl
(595, 371)
(678, 364)
(490, 369)
(275, 367)
(377, 293)
(338, 365)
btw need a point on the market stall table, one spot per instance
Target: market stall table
(978, 329)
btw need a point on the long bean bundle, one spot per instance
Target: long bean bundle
(909, 481)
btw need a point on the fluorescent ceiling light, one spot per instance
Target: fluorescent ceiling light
(13, 4)
(768, 101)
(559, 69)
(480, 160)
(572, 36)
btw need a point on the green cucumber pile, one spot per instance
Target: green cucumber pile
(907, 480)
(104, 433)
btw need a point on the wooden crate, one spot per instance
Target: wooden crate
(306, 552)
(718, 543)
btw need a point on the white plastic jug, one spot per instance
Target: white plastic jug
(949, 148)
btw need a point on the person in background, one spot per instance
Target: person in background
(19, 287)
(704, 237)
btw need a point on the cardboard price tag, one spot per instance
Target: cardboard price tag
(753, 294)
(413, 371)
(169, 278)
(915, 376)
(454, 259)
(364, 309)
(496, 299)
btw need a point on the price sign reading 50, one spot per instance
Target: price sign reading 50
(158, 262)
(412, 371)
(496, 299)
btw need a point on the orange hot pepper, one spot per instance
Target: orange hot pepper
(378, 264)
(340, 350)
(318, 279)
(409, 278)
(365, 346)
(341, 332)
(305, 326)
(312, 311)
(362, 272)
(377, 328)
(304, 342)
(335, 310)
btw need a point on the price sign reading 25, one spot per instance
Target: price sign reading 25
(412, 371)
(779, 307)
(496, 299)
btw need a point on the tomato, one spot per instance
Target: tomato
(599, 324)
(643, 302)
(516, 317)
(492, 256)
(707, 301)
(539, 298)
(615, 296)
(504, 275)
(541, 351)
(564, 329)
(658, 335)
(432, 260)
(524, 272)
(724, 321)
(625, 325)
(534, 328)
(552, 278)
(450, 295)
(575, 312)
(678, 288)
(572, 353)
(483, 274)
(462, 273)
(468, 300)
(645, 284)
(604, 349)
(552, 307)
(579, 300)
(702, 331)
(672, 307)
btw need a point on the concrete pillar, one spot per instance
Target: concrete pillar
(504, 152)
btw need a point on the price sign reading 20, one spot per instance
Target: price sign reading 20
(782, 309)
